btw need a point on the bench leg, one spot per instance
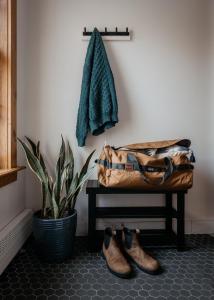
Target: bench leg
(91, 222)
(168, 219)
(180, 221)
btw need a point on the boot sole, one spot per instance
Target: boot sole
(120, 275)
(156, 272)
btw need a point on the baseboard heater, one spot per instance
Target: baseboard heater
(13, 236)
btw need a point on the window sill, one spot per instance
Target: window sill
(9, 175)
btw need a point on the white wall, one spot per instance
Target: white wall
(12, 201)
(161, 79)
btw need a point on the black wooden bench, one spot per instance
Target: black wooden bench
(153, 237)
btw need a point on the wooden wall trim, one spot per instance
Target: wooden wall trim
(8, 86)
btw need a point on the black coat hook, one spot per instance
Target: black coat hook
(109, 33)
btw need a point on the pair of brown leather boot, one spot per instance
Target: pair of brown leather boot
(116, 258)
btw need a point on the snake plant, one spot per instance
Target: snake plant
(59, 194)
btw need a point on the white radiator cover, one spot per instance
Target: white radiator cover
(13, 236)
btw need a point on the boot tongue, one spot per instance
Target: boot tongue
(109, 234)
(135, 238)
(132, 238)
(128, 238)
(136, 243)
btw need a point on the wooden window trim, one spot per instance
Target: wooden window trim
(8, 176)
(8, 92)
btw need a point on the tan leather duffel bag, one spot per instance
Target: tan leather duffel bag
(155, 165)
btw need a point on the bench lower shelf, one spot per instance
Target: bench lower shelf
(155, 238)
(135, 212)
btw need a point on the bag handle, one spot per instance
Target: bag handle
(169, 169)
(167, 173)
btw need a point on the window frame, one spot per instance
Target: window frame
(8, 91)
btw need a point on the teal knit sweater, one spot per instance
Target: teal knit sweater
(98, 101)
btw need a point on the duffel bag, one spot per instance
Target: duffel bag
(155, 165)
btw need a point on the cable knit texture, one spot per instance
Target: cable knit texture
(98, 108)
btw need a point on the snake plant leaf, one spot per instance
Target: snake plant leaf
(33, 145)
(83, 180)
(59, 195)
(64, 176)
(62, 207)
(77, 185)
(34, 163)
(54, 206)
(85, 167)
(44, 200)
(73, 197)
(36, 151)
(73, 186)
(42, 163)
(59, 171)
(78, 182)
(37, 169)
(70, 168)
(50, 183)
(61, 159)
(40, 157)
(70, 155)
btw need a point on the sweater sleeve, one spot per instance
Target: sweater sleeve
(82, 127)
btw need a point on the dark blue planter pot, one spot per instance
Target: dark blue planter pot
(54, 239)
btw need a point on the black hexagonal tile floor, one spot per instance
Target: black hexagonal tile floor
(187, 275)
